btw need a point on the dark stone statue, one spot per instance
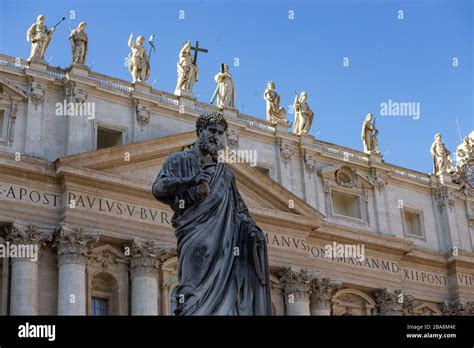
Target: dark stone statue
(223, 263)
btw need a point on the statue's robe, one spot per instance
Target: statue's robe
(223, 263)
(226, 90)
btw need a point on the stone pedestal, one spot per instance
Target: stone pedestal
(73, 246)
(296, 285)
(375, 157)
(141, 87)
(282, 127)
(229, 112)
(322, 290)
(24, 278)
(186, 101)
(37, 65)
(78, 70)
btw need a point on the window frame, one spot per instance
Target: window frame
(421, 220)
(103, 125)
(4, 133)
(356, 195)
(99, 295)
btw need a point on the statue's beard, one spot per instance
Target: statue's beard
(209, 148)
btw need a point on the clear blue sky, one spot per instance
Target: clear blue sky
(407, 60)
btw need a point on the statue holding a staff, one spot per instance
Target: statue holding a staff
(40, 36)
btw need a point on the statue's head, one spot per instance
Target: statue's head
(82, 26)
(40, 19)
(303, 96)
(187, 46)
(140, 40)
(226, 68)
(369, 117)
(210, 129)
(437, 137)
(271, 85)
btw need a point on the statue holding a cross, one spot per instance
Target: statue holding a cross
(187, 68)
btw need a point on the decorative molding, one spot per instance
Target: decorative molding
(457, 308)
(309, 163)
(22, 233)
(37, 93)
(232, 138)
(146, 256)
(345, 176)
(322, 291)
(11, 122)
(286, 153)
(143, 113)
(75, 94)
(296, 282)
(378, 179)
(393, 302)
(443, 197)
(74, 243)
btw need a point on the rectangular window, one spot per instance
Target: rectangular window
(346, 205)
(412, 221)
(108, 138)
(99, 306)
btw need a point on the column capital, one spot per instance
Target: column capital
(296, 282)
(73, 243)
(457, 308)
(322, 291)
(393, 302)
(23, 233)
(146, 256)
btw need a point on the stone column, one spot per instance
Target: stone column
(73, 247)
(146, 258)
(296, 285)
(393, 302)
(24, 281)
(322, 290)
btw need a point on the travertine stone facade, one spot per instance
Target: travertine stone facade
(55, 183)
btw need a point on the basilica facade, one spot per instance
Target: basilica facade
(347, 233)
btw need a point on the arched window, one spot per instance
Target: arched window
(104, 295)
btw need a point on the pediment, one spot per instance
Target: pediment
(426, 309)
(345, 175)
(107, 255)
(12, 89)
(139, 163)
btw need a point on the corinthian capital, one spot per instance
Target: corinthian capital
(296, 282)
(147, 256)
(393, 302)
(21, 233)
(73, 243)
(322, 290)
